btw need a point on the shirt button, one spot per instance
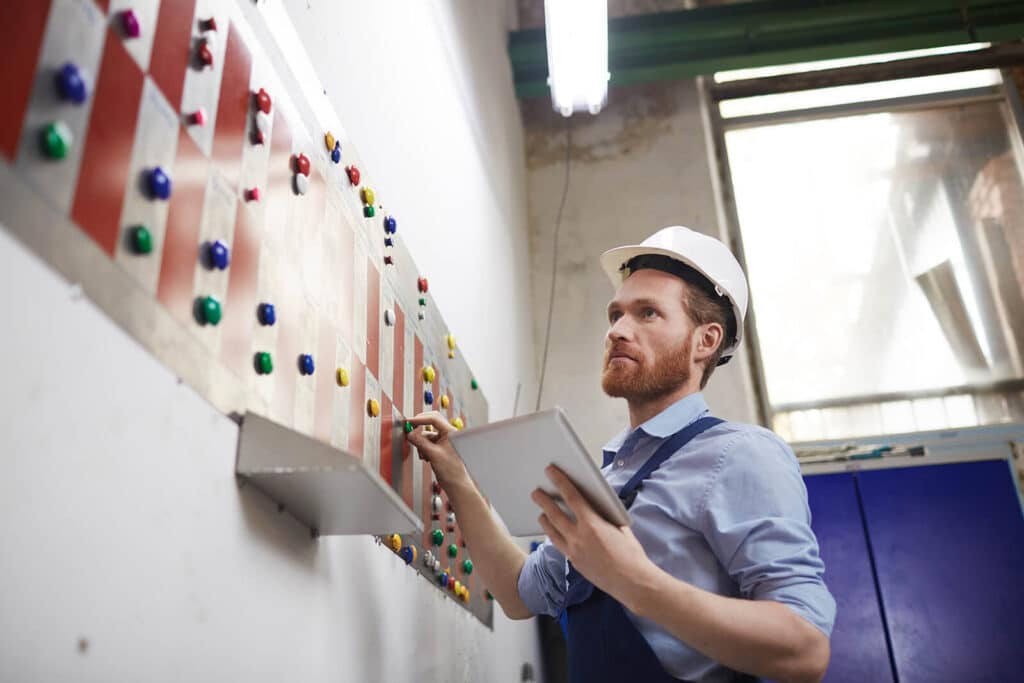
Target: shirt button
(620, 463)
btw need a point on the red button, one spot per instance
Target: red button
(422, 282)
(353, 174)
(205, 54)
(302, 164)
(263, 101)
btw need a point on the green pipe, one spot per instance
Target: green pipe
(686, 43)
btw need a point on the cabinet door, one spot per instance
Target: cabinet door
(859, 650)
(948, 543)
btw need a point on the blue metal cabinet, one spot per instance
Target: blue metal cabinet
(859, 650)
(948, 544)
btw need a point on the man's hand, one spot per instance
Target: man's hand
(430, 437)
(609, 557)
(496, 557)
(757, 636)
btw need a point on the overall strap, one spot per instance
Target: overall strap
(664, 452)
(578, 588)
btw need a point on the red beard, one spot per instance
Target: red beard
(644, 381)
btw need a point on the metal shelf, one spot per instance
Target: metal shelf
(328, 490)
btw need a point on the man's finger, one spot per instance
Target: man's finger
(424, 434)
(556, 538)
(432, 419)
(550, 508)
(570, 494)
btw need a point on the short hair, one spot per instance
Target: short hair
(703, 303)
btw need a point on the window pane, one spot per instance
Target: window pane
(878, 260)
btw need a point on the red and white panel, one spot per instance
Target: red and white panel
(146, 12)
(156, 142)
(75, 33)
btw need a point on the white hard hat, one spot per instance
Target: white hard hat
(705, 254)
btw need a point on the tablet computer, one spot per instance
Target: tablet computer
(507, 461)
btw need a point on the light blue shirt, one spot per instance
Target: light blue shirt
(727, 513)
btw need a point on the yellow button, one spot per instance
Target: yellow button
(367, 195)
(465, 595)
(458, 587)
(429, 374)
(395, 541)
(329, 141)
(445, 401)
(451, 341)
(414, 553)
(457, 423)
(451, 354)
(373, 407)
(342, 376)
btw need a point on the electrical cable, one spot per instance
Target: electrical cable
(554, 261)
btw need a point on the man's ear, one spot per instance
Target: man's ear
(707, 338)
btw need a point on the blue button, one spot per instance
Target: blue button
(428, 397)
(443, 579)
(388, 242)
(71, 85)
(306, 364)
(390, 225)
(406, 554)
(267, 314)
(159, 184)
(220, 255)
(336, 153)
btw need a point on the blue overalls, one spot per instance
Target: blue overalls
(603, 643)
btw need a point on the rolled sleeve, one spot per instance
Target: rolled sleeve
(758, 525)
(542, 581)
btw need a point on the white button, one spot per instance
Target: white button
(620, 463)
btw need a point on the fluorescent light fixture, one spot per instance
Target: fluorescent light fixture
(577, 35)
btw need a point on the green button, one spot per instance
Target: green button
(368, 211)
(211, 310)
(453, 550)
(467, 566)
(408, 427)
(437, 536)
(142, 240)
(265, 363)
(473, 384)
(423, 301)
(56, 139)
(488, 595)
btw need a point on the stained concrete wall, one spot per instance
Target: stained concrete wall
(641, 164)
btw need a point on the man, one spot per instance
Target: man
(720, 572)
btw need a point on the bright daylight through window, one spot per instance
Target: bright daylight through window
(885, 249)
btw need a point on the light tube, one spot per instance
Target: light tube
(577, 38)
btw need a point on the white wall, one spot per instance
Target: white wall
(130, 552)
(638, 166)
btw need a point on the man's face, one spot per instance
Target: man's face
(647, 348)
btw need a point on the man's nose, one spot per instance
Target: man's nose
(620, 329)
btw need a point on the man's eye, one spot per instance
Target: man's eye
(649, 313)
(613, 316)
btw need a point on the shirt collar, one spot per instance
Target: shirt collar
(666, 423)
